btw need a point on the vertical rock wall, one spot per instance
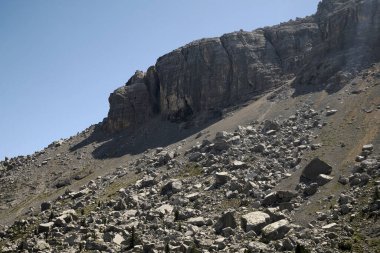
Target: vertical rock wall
(210, 74)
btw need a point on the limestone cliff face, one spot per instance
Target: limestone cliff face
(350, 39)
(135, 102)
(210, 74)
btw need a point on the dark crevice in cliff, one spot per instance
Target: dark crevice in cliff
(152, 84)
(183, 114)
(269, 40)
(374, 12)
(135, 115)
(230, 75)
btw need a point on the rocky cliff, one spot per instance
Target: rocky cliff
(208, 75)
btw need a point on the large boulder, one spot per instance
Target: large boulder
(254, 221)
(45, 227)
(146, 181)
(314, 169)
(276, 230)
(45, 206)
(120, 205)
(197, 221)
(221, 178)
(171, 187)
(165, 209)
(226, 220)
(275, 198)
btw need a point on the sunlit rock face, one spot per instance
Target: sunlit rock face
(208, 75)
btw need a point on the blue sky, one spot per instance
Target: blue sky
(59, 60)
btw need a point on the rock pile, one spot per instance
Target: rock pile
(219, 197)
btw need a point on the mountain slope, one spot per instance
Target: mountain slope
(210, 150)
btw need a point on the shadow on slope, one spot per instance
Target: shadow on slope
(153, 134)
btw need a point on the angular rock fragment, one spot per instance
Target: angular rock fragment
(226, 220)
(45, 206)
(276, 230)
(323, 179)
(120, 205)
(254, 221)
(45, 227)
(275, 198)
(171, 187)
(197, 221)
(311, 189)
(221, 178)
(331, 112)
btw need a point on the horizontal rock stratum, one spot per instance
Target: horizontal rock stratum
(208, 75)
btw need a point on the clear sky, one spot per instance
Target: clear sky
(60, 59)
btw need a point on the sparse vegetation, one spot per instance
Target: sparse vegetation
(167, 248)
(132, 240)
(301, 249)
(345, 245)
(191, 170)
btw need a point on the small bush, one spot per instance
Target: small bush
(302, 249)
(345, 245)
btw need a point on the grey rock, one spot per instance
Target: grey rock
(41, 246)
(135, 102)
(195, 157)
(197, 221)
(165, 209)
(45, 206)
(276, 230)
(228, 231)
(238, 165)
(118, 239)
(270, 125)
(254, 221)
(120, 206)
(95, 245)
(259, 148)
(226, 220)
(311, 189)
(45, 227)
(275, 198)
(221, 178)
(344, 199)
(367, 147)
(258, 247)
(343, 180)
(345, 208)
(192, 196)
(323, 179)
(331, 112)
(171, 187)
(147, 181)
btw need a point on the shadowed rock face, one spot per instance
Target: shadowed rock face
(208, 75)
(135, 102)
(350, 40)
